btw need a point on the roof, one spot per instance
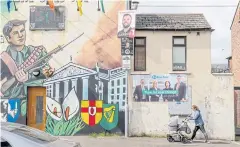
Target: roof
(235, 14)
(171, 22)
(229, 58)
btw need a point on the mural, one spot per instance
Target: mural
(16, 66)
(160, 88)
(85, 95)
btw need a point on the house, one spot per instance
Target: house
(229, 63)
(235, 64)
(175, 46)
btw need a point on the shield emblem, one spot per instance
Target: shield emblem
(91, 111)
(13, 110)
(110, 116)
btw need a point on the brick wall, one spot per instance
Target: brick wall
(235, 35)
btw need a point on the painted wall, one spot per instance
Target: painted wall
(80, 98)
(213, 94)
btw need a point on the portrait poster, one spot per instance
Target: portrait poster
(127, 46)
(160, 88)
(126, 24)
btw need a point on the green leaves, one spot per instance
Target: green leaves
(24, 107)
(64, 128)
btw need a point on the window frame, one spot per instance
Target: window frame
(179, 45)
(145, 46)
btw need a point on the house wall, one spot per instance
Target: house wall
(235, 41)
(98, 44)
(212, 93)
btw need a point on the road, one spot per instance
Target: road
(87, 141)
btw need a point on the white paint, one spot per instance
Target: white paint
(85, 88)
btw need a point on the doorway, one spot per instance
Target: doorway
(36, 107)
(237, 110)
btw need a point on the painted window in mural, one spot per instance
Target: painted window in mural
(160, 88)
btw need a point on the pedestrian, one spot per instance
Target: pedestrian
(199, 124)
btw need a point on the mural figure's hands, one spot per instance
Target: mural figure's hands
(48, 71)
(21, 75)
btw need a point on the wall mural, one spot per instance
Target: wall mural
(160, 88)
(82, 97)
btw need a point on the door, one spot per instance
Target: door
(36, 110)
(237, 110)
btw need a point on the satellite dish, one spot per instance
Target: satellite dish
(36, 73)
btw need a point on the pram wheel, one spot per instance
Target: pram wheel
(184, 140)
(170, 139)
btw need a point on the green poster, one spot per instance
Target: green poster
(110, 116)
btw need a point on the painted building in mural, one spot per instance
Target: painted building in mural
(80, 97)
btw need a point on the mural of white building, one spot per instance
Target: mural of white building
(67, 77)
(107, 85)
(116, 82)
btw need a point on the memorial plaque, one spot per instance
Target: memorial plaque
(44, 18)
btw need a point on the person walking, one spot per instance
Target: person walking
(199, 124)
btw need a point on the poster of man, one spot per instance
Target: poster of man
(160, 88)
(126, 24)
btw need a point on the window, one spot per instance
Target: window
(179, 53)
(118, 82)
(124, 89)
(118, 90)
(112, 83)
(124, 81)
(140, 54)
(49, 90)
(124, 96)
(112, 91)
(112, 97)
(118, 97)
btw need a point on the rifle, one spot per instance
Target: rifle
(9, 83)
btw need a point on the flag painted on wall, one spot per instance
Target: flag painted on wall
(9, 5)
(102, 6)
(51, 4)
(79, 5)
(91, 111)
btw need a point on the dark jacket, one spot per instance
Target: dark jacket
(154, 96)
(181, 91)
(138, 92)
(122, 34)
(168, 97)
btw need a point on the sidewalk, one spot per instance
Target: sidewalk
(87, 141)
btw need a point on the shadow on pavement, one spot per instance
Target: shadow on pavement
(212, 142)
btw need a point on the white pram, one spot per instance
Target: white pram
(176, 129)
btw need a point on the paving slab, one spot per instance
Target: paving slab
(88, 141)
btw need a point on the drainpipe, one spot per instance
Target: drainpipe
(127, 82)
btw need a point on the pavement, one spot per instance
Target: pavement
(88, 141)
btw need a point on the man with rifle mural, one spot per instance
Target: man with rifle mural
(18, 63)
(15, 60)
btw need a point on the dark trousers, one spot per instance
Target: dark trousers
(202, 130)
